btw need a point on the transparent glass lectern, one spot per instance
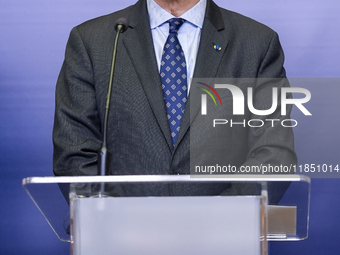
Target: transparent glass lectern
(100, 215)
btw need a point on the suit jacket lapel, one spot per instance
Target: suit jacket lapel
(208, 59)
(139, 45)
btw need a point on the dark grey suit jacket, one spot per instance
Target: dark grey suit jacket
(138, 134)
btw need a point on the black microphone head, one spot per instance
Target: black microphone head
(124, 24)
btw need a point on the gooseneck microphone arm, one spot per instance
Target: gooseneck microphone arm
(104, 155)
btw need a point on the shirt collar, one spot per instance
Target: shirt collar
(158, 15)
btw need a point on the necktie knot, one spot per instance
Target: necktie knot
(175, 24)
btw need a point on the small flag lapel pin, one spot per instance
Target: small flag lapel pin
(217, 47)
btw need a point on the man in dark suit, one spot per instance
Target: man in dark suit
(139, 137)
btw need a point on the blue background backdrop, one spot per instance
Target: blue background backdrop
(33, 36)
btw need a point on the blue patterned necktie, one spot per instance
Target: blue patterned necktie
(173, 73)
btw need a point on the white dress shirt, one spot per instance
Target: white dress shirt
(189, 33)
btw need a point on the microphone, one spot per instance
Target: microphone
(121, 26)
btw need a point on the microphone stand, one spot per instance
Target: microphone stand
(104, 155)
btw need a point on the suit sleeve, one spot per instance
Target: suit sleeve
(272, 144)
(76, 131)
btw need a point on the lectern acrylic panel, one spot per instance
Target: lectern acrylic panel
(187, 214)
(166, 225)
